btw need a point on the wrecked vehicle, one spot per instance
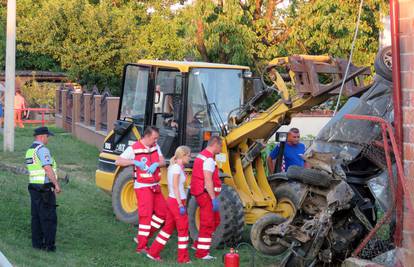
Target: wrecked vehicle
(336, 200)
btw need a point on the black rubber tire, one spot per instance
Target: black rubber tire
(225, 232)
(309, 176)
(238, 219)
(383, 63)
(123, 178)
(285, 192)
(256, 234)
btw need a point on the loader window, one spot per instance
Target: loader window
(134, 96)
(217, 89)
(166, 112)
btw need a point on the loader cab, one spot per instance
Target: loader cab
(187, 101)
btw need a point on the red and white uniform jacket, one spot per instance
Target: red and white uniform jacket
(197, 178)
(148, 155)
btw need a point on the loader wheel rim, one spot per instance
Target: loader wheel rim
(286, 207)
(128, 199)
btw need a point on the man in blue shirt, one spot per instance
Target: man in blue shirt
(292, 152)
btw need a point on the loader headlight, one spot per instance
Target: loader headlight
(281, 136)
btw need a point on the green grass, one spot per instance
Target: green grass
(88, 232)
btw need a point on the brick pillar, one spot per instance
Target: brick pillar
(64, 108)
(57, 95)
(75, 110)
(98, 99)
(87, 109)
(406, 25)
(112, 111)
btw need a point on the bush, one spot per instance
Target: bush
(40, 94)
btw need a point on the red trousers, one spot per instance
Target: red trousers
(209, 221)
(151, 211)
(173, 220)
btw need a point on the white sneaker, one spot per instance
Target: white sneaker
(208, 257)
(154, 258)
(135, 239)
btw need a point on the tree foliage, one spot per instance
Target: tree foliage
(327, 27)
(91, 40)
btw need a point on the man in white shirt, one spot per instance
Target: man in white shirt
(147, 158)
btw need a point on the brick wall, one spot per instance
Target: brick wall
(407, 83)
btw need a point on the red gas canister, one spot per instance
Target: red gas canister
(231, 259)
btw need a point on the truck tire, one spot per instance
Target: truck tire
(309, 176)
(258, 235)
(225, 232)
(383, 63)
(124, 201)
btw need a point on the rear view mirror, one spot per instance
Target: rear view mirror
(257, 85)
(252, 87)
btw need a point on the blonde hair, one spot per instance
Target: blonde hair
(180, 153)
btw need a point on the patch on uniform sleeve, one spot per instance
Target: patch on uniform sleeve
(47, 158)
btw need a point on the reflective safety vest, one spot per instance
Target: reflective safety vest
(37, 174)
(148, 156)
(197, 177)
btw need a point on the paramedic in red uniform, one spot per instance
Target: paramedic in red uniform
(146, 155)
(206, 187)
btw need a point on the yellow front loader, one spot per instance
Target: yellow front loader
(190, 101)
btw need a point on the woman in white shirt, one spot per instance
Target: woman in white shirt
(176, 213)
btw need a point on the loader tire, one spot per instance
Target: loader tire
(259, 237)
(287, 198)
(309, 176)
(124, 201)
(225, 232)
(238, 219)
(383, 63)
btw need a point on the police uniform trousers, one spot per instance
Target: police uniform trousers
(44, 217)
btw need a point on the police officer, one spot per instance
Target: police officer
(147, 158)
(206, 187)
(42, 187)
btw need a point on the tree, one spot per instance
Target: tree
(235, 32)
(93, 41)
(327, 27)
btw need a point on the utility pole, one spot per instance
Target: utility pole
(10, 76)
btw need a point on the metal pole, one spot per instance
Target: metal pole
(10, 76)
(396, 76)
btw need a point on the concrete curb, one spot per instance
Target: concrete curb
(4, 262)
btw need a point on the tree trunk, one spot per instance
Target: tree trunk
(258, 10)
(222, 54)
(270, 9)
(200, 40)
